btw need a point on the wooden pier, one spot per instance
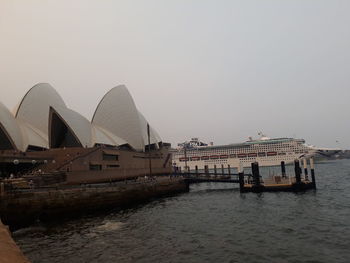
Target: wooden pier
(255, 182)
(202, 179)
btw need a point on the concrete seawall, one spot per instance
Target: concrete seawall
(24, 207)
(9, 251)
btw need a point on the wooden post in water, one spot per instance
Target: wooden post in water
(256, 174)
(222, 170)
(297, 171)
(206, 170)
(215, 172)
(241, 177)
(229, 170)
(305, 169)
(283, 168)
(196, 170)
(312, 167)
(180, 169)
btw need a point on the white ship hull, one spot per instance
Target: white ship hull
(269, 152)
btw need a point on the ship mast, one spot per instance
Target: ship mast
(185, 152)
(149, 150)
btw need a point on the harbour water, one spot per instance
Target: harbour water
(211, 223)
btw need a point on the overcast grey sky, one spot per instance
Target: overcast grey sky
(218, 70)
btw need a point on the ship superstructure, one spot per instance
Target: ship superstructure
(266, 151)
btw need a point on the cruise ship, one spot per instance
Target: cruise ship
(267, 151)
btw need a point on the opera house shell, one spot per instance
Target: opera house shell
(43, 135)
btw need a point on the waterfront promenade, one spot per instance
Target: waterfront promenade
(9, 251)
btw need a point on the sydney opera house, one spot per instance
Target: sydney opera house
(44, 136)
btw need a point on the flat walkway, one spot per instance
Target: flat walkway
(9, 251)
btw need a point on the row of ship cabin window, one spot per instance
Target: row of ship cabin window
(241, 155)
(225, 156)
(244, 150)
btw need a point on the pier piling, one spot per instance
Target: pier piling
(222, 169)
(206, 170)
(229, 170)
(196, 167)
(256, 174)
(297, 171)
(256, 187)
(241, 177)
(215, 172)
(312, 167)
(305, 169)
(283, 169)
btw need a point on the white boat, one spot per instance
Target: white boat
(265, 151)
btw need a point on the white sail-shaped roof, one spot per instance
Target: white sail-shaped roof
(118, 114)
(33, 136)
(79, 125)
(33, 110)
(154, 137)
(11, 128)
(102, 136)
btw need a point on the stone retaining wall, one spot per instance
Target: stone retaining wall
(22, 208)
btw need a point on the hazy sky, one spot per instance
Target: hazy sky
(218, 70)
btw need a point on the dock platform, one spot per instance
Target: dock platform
(278, 187)
(255, 182)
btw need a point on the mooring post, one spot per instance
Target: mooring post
(229, 170)
(283, 168)
(185, 152)
(180, 170)
(222, 169)
(206, 170)
(241, 177)
(305, 169)
(196, 170)
(215, 172)
(312, 167)
(297, 171)
(256, 174)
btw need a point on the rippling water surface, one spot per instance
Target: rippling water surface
(211, 223)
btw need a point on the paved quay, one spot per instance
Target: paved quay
(9, 251)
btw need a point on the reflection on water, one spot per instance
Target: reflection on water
(109, 226)
(211, 223)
